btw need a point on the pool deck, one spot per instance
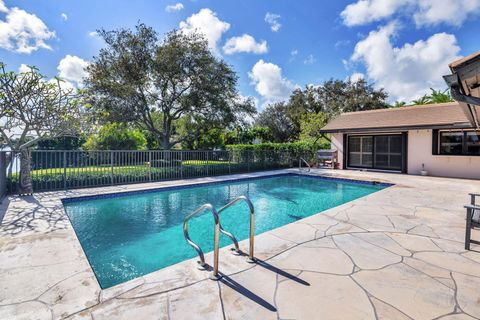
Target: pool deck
(394, 254)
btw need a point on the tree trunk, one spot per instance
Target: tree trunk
(25, 186)
(166, 142)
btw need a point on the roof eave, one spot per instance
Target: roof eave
(464, 125)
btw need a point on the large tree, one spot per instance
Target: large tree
(276, 118)
(32, 109)
(138, 79)
(314, 105)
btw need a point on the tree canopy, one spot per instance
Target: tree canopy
(33, 108)
(162, 85)
(435, 96)
(277, 118)
(308, 109)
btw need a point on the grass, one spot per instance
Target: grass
(119, 169)
(204, 163)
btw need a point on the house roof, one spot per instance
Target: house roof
(435, 116)
(455, 65)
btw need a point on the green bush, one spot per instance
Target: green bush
(116, 136)
(295, 147)
(274, 152)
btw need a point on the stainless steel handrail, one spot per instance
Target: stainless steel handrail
(252, 225)
(300, 165)
(216, 237)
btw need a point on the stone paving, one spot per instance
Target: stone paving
(394, 254)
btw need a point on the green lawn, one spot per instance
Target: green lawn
(203, 163)
(119, 169)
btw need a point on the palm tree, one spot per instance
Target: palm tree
(398, 104)
(438, 96)
(425, 99)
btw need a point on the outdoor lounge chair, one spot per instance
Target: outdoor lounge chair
(473, 220)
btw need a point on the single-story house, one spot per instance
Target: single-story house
(443, 139)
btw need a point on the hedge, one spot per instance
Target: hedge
(296, 149)
(293, 146)
(274, 151)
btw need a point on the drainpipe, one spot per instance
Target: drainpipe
(458, 93)
(464, 84)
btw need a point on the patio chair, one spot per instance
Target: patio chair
(473, 220)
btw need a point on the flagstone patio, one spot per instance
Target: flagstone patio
(394, 254)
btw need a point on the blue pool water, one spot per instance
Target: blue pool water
(127, 236)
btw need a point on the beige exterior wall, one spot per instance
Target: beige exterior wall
(420, 151)
(337, 143)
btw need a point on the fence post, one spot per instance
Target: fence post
(229, 162)
(248, 161)
(181, 164)
(150, 165)
(3, 174)
(64, 169)
(111, 168)
(264, 159)
(207, 163)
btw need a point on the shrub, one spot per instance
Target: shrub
(293, 150)
(116, 136)
(295, 147)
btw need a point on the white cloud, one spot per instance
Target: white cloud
(64, 16)
(23, 32)
(406, 72)
(272, 20)
(293, 55)
(365, 11)
(424, 12)
(3, 7)
(269, 82)
(354, 77)
(452, 12)
(72, 68)
(245, 43)
(64, 84)
(174, 7)
(341, 43)
(310, 59)
(23, 68)
(206, 22)
(93, 34)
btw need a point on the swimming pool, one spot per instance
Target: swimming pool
(127, 235)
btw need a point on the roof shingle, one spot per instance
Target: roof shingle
(449, 114)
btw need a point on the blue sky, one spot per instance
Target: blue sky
(274, 45)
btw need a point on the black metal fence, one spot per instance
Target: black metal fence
(54, 169)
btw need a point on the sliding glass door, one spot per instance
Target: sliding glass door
(388, 152)
(360, 151)
(385, 152)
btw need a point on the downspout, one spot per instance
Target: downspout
(459, 95)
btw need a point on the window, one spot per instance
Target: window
(459, 142)
(451, 142)
(473, 142)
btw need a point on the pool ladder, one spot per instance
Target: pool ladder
(218, 228)
(307, 168)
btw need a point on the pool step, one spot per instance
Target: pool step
(218, 229)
